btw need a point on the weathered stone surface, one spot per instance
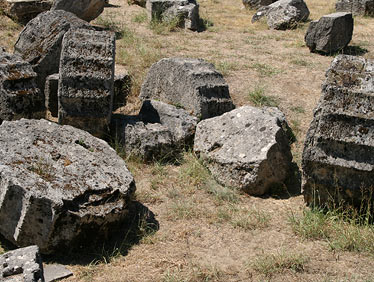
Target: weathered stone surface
(283, 14)
(192, 84)
(23, 11)
(246, 148)
(338, 160)
(40, 41)
(56, 272)
(50, 93)
(23, 264)
(87, 10)
(19, 95)
(181, 125)
(356, 7)
(122, 88)
(330, 33)
(187, 12)
(85, 91)
(256, 4)
(59, 185)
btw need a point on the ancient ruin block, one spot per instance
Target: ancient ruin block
(246, 148)
(85, 91)
(60, 187)
(330, 33)
(19, 94)
(50, 93)
(338, 157)
(87, 10)
(191, 84)
(22, 11)
(356, 7)
(122, 88)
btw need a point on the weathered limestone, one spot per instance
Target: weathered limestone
(256, 4)
(356, 7)
(55, 272)
(23, 11)
(246, 148)
(192, 84)
(187, 12)
(330, 33)
(122, 88)
(338, 160)
(87, 10)
(283, 14)
(85, 91)
(59, 185)
(50, 93)
(23, 264)
(19, 95)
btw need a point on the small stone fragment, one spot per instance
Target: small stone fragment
(56, 272)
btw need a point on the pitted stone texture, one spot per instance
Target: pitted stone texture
(181, 125)
(59, 185)
(19, 95)
(85, 90)
(122, 88)
(87, 10)
(23, 264)
(192, 84)
(330, 33)
(256, 4)
(187, 12)
(40, 41)
(356, 7)
(283, 14)
(50, 93)
(246, 148)
(22, 11)
(338, 160)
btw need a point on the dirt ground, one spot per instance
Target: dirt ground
(202, 235)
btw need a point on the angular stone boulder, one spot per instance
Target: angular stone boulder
(186, 12)
(181, 125)
(356, 7)
(338, 157)
(256, 4)
(191, 84)
(283, 14)
(19, 94)
(85, 89)
(22, 11)
(330, 33)
(246, 148)
(24, 264)
(122, 88)
(87, 10)
(59, 186)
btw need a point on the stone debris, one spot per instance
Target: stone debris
(256, 4)
(122, 88)
(59, 186)
(87, 10)
(356, 7)
(191, 84)
(330, 34)
(246, 148)
(338, 160)
(85, 91)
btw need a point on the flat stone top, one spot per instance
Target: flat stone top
(336, 15)
(191, 65)
(59, 162)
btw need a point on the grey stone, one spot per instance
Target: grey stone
(55, 272)
(40, 41)
(246, 148)
(50, 93)
(256, 4)
(19, 94)
(59, 186)
(85, 90)
(22, 11)
(187, 12)
(330, 33)
(283, 14)
(87, 10)
(122, 88)
(192, 84)
(181, 125)
(24, 264)
(356, 7)
(338, 160)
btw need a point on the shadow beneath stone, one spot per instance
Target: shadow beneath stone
(204, 24)
(108, 5)
(6, 245)
(354, 51)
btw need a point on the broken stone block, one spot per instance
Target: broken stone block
(85, 91)
(356, 7)
(185, 11)
(191, 84)
(338, 159)
(330, 33)
(22, 11)
(60, 186)
(181, 125)
(19, 94)
(24, 264)
(256, 4)
(87, 10)
(56, 272)
(246, 148)
(122, 88)
(50, 93)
